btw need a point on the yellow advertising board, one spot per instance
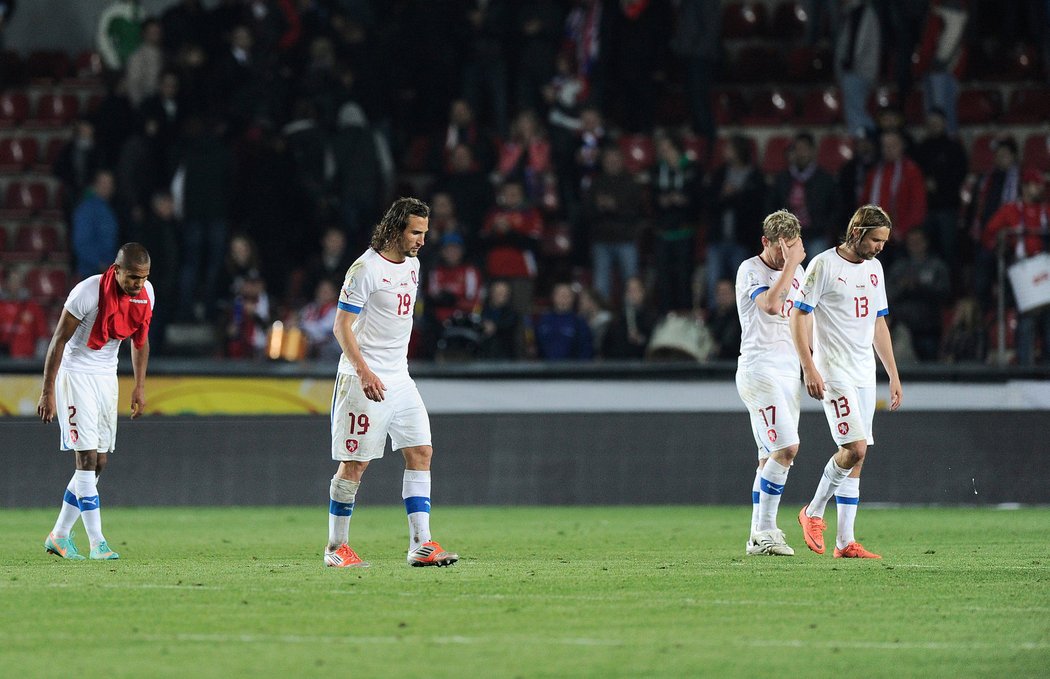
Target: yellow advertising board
(194, 395)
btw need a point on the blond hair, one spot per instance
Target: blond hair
(781, 224)
(866, 218)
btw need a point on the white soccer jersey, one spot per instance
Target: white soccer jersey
(765, 341)
(82, 302)
(845, 299)
(383, 294)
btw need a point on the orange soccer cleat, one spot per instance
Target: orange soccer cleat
(431, 554)
(855, 550)
(343, 557)
(812, 530)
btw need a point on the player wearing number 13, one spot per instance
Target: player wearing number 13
(374, 395)
(839, 315)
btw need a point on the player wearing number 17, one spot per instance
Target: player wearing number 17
(374, 395)
(839, 315)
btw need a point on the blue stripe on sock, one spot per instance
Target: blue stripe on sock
(755, 497)
(87, 504)
(840, 500)
(70, 498)
(769, 487)
(340, 508)
(417, 504)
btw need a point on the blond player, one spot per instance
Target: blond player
(767, 371)
(840, 315)
(374, 395)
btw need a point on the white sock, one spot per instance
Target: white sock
(415, 489)
(90, 505)
(342, 495)
(771, 485)
(847, 498)
(829, 482)
(70, 512)
(754, 500)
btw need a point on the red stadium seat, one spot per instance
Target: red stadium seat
(789, 21)
(757, 63)
(14, 108)
(729, 106)
(979, 106)
(24, 199)
(982, 153)
(808, 65)
(3, 246)
(774, 156)
(17, 154)
(1037, 151)
(54, 110)
(37, 242)
(773, 107)
(743, 20)
(47, 285)
(914, 108)
(48, 66)
(50, 153)
(821, 107)
(87, 69)
(1028, 105)
(696, 150)
(834, 151)
(638, 152)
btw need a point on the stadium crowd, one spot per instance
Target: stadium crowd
(584, 203)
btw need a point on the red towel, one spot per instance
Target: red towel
(119, 314)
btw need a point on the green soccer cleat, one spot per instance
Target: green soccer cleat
(62, 547)
(102, 552)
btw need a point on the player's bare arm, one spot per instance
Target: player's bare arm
(139, 360)
(884, 348)
(801, 324)
(772, 301)
(344, 333)
(67, 325)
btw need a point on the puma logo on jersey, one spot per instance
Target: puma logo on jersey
(842, 279)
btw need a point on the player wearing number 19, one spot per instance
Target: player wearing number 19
(374, 395)
(767, 371)
(839, 315)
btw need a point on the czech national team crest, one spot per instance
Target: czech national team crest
(73, 435)
(843, 428)
(351, 445)
(414, 281)
(772, 434)
(794, 283)
(875, 280)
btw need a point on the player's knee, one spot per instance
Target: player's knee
(100, 463)
(855, 452)
(787, 454)
(418, 457)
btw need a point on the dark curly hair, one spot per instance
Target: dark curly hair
(395, 221)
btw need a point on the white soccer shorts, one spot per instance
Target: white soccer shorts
(87, 411)
(360, 426)
(850, 412)
(773, 402)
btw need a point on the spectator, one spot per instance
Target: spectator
(316, 320)
(146, 63)
(921, 285)
(538, 26)
(526, 157)
(724, 322)
(183, 23)
(941, 54)
(942, 160)
(309, 149)
(564, 95)
(78, 162)
(997, 187)
(500, 324)
(159, 234)
(453, 287)
(241, 264)
(594, 310)
(808, 192)
(462, 128)
(637, 32)
(510, 238)
(896, 184)
(95, 229)
(167, 108)
(964, 337)
(248, 320)
(114, 119)
(853, 175)
(673, 188)
(591, 138)
(629, 333)
(736, 201)
(1025, 225)
(585, 37)
(469, 188)
(858, 52)
(697, 40)
(485, 71)
(561, 333)
(331, 263)
(612, 214)
(24, 331)
(359, 175)
(141, 170)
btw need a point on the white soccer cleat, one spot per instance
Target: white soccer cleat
(769, 543)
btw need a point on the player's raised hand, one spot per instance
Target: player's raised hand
(814, 383)
(896, 394)
(138, 402)
(793, 254)
(46, 407)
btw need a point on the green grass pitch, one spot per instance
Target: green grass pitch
(539, 592)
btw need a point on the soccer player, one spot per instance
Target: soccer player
(374, 395)
(843, 314)
(767, 371)
(80, 385)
